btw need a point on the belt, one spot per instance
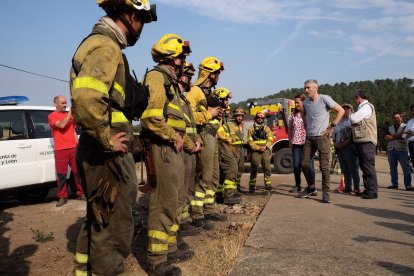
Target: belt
(314, 137)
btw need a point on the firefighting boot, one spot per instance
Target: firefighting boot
(231, 197)
(252, 189)
(219, 198)
(268, 187)
(239, 189)
(203, 223)
(187, 229)
(163, 269)
(180, 255)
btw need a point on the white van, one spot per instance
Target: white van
(27, 164)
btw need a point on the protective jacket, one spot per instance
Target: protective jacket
(259, 136)
(98, 80)
(236, 134)
(164, 117)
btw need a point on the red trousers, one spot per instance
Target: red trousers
(63, 158)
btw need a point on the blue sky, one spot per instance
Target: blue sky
(266, 46)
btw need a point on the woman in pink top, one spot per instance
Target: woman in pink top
(297, 137)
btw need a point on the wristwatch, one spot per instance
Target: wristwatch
(332, 125)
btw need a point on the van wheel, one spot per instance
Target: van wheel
(283, 161)
(32, 196)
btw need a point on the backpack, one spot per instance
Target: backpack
(136, 94)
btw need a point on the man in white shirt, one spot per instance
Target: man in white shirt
(364, 130)
(409, 130)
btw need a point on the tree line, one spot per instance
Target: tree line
(387, 95)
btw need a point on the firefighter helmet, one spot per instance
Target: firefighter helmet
(222, 93)
(150, 11)
(169, 47)
(239, 111)
(133, 4)
(211, 64)
(261, 114)
(188, 69)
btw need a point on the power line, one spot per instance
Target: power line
(24, 71)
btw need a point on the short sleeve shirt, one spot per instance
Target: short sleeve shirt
(64, 138)
(317, 114)
(298, 129)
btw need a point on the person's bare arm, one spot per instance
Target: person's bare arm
(62, 124)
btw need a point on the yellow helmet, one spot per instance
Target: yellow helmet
(211, 64)
(188, 69)
(140, 5)
(261, 114)
(169, 47)
(239, 111)
(222, 93)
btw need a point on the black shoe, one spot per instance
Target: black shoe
(252, 189)
(187, 229)
(370, 196)
(180, 255)
(164, 269)
(268, 187)
(409, 189)
(325, 197)
(392, 187)
(215, 217)
(203, 223)
(296, 189)
(308, 192)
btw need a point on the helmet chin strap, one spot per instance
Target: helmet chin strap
(132, 36)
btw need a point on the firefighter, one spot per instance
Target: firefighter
(226, 191)
(237, 137)
(99, 79)
(207, 114)
(260, 139)
(184, 83)
(164, 134)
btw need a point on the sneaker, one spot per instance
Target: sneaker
(392, 187)
(326, 198)
(81, 197)
(61, 202)
(356, 192)
(296, 189)
(164, 268)
(203, 223)
(307, 192)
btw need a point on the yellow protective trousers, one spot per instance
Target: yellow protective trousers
(102, 249)
(189, 180)
(208, 173)
(164, 207)
(260, 158)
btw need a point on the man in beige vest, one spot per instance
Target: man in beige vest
(397, 152)
(364, 131)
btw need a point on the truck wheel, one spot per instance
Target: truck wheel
(32, 196)
(283, 161)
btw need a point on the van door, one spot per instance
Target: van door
(44, 145)
(18, 164)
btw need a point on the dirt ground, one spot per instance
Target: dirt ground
(40, 239)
